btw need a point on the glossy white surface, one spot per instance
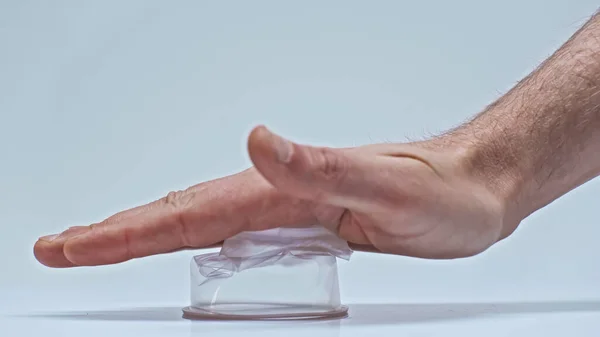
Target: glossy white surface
(545, 318)
(108, 104)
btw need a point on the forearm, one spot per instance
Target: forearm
(542, 138)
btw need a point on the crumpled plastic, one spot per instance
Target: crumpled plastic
(263, 248)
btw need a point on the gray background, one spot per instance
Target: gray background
(108, 104)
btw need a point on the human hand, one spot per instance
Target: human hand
(421, 199)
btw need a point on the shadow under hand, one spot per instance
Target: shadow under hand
(159, 314)
(359, 313)
(395, 313)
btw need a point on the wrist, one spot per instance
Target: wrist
(491, 163)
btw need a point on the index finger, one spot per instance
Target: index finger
(201, 216)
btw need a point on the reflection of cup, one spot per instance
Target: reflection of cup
(286, 285)
(295, 328)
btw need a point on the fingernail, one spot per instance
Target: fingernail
(283, 148)
(49, 238)
(69, 233)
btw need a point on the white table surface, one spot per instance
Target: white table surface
(448, 319)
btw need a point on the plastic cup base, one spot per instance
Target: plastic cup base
(263, 312)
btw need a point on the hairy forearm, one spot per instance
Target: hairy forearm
(542, 138)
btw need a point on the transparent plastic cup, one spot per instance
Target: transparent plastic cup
(290, 283)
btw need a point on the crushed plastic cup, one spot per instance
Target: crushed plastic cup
(283, 273)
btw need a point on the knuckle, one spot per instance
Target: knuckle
(180, 203)
(330, 166)
(128, 247)
(178, 199)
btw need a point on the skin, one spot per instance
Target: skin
(451, 196)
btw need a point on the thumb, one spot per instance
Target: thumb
(334, 176)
